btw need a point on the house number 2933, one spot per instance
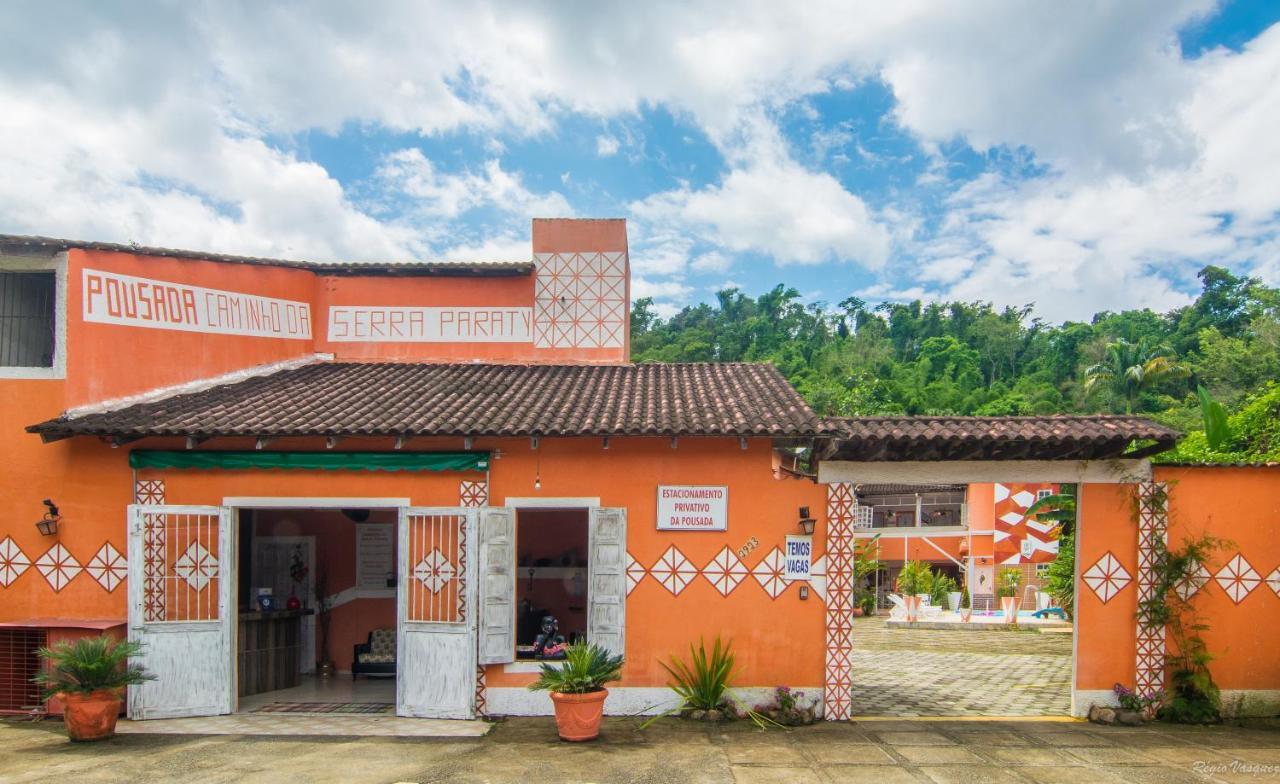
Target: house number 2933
(751, 544)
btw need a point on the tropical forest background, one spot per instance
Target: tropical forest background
(1221, 353)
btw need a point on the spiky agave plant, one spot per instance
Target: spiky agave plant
(90, 664)
(585, 668)
(702, 682)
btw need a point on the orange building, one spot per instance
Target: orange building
(260, 468)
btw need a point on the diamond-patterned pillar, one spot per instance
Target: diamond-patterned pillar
(1153, 535)
(842, 511)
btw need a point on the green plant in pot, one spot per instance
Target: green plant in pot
(1007, 587)
(914, 579)
(966, 605)
(868, 603)
(576, 683)
(88, 676)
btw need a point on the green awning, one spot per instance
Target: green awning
(310, 461)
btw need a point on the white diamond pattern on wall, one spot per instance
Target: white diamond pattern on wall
(197, 566)
(1238, 578)
(473, 493)
(725, 571)
(108, 567)
(1193, 582)
(13, 562)
(1107, 577)
(818, 577)
(769, 573)
(579, 300)
(434, 571)
(58, 567)
(148, 491)
(674, 571)
(635, 573)
(1273, 580)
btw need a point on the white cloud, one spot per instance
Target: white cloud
(437, 195)
(607, 145)
(659, 289)
(711, 261)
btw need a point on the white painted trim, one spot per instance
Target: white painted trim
(1084, 699)
(936, 532)
(162, 393)
(525, 667)
(305, 502)
(58, 264)
(622, 700)
(550, 503)
(915, 472)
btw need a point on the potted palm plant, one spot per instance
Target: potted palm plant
(576, 683)
(914, 579)
(1007, 587)
(88, 676)
(966, 605)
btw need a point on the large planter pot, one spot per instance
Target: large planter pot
(578, 715)
(913, 608)
(965, 614)
(1010, 605)
(91, 716)
(953, 600)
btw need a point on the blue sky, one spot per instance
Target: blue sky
(1082, 157)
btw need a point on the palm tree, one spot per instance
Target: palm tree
(1131, 368)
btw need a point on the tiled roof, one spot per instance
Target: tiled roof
(22, 243)
(992, 438)
(470, 400)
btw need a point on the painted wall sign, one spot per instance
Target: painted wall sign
(798, 558)
(376, 324)
(375, 555)
(112, 298)
(692, 508)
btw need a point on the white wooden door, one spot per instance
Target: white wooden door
(180, 584)
(607, 579)
(435, 632)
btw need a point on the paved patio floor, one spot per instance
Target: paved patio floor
(525, 751)
(942, 672)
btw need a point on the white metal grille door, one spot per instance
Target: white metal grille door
(436, 656)
(179, 609)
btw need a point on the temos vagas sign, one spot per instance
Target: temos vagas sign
(692, 508)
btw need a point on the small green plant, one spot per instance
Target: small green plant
(788, 708)
(90, 664)
(966, 603)
(1010, 580)
(585, 668)
(868, 603)
(915, 577)
(943, 584)
(703, 682)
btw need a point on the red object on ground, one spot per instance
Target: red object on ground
(91, 716)
(578, 715)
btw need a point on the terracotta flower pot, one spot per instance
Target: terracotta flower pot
(578, 715)
(1010, 605)
(965, 614)
(913, 608)
(91, 716)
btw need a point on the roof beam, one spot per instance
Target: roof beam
(916, 472)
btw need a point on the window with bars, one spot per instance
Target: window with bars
(18, 665)
(26, 319)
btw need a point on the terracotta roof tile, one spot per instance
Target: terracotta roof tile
(470, 399)
(991, 438)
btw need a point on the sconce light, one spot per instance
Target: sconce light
(806, 522)
(48, 525)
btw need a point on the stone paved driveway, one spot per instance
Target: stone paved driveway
(525, 751)
(939, 672)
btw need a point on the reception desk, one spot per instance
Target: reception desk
(269, 650)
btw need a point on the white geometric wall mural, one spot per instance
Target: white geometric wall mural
(769, 573)
(1189, 586)
(1107, 577)
(434, 571)
(149, 492)
(197, 566)
(1238, 578)
(635, 573)
(473, 493)
(1273, 580)
(580, 300)
(674, 571)
(58, 567)
(725, 571)
(13, 562)
(108, 567)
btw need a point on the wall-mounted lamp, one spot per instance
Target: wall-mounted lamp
(48, 525)
(806, 522)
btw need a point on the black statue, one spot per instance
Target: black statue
(549, 643)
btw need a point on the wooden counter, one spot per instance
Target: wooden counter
(269, 650)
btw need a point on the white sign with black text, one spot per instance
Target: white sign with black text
(693, 508)
(798, 558)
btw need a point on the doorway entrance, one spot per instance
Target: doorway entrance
(316, 611)
(235, 605)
